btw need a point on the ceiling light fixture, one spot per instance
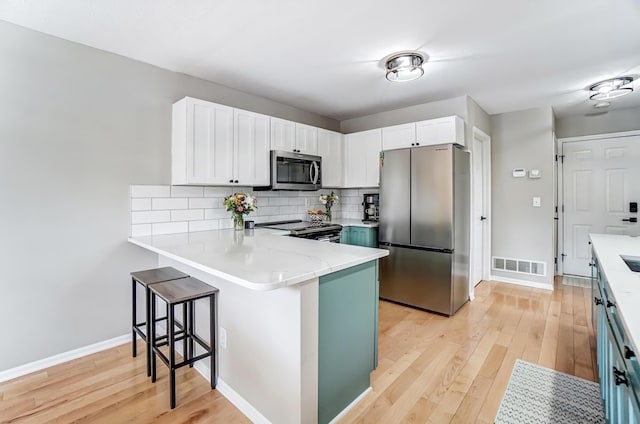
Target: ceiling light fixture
(611, 88)
(405, 66)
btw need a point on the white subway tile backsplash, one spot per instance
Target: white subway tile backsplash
(187, 215)
(186, 191)
(216, 213)
(140, 230)
(207, 225)
(221, 191)
(171, 203)
(169, 228)
(150, 217)
(204, 203)
(140, 204)
(150, 191)
(171, 209)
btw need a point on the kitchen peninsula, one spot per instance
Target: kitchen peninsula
(297, 318)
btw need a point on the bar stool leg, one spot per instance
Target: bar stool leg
(172, 356)
(134, 349)
(190, 331)
(185, 352)
(147, 294)
(213, 359)
(152, 337)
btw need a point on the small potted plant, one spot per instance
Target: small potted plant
(328, 200)
(240, 204)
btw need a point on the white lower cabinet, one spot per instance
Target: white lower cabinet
(362, 158)
(330, 148)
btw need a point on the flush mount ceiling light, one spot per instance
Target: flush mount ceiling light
(611, 88)
(405, 66)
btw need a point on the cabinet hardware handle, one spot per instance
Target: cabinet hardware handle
(632, 219)
(413, 144)
(620, 377)
(417, 144)
(597, 301)
(610, 304)
(628, 353)
(230, 181)
(236, 181)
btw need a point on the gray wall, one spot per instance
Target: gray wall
(449, 107)
(77, 127)
(614, 121)
(522, 139)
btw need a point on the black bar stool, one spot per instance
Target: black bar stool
(185, 292)
(145, 278)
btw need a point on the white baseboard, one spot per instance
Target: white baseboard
(344, 412)
(41, 364)
(519, 282)
(232, 396)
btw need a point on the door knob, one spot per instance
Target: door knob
(632, 219)
(483, 218)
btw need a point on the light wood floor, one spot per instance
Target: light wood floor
(431, 368)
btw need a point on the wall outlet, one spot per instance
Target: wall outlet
(536, 202)
(222, 338)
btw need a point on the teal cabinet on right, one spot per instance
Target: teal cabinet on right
(359, 236)
(618, 368)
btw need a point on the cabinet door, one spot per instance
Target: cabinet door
(362, 158)
(440, 131)
(330, 149)
(283, 135)
(209, 146)
(306, 139)
(399, 136)
(251, 148)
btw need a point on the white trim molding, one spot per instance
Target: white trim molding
(519, 282)
(598, 136)
(346, 410)
(41, 364)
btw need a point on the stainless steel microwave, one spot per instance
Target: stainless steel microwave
(295, 171)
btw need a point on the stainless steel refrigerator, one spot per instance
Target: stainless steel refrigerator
(424, 223)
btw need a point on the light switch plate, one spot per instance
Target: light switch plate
(536, 202)
(519, 172)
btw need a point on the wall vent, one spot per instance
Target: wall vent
(521, 266)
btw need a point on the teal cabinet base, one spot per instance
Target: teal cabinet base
(359, 236)
(347, 337)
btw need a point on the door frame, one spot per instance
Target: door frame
(559, 188)
(481, 137)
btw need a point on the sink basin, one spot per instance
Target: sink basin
(633, 262)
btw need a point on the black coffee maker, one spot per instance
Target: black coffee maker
(371, 204)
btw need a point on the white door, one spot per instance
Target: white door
(252, 148)
(480, 194)
(330, 149)
(209, 143)
(306, 139)
(600, 179)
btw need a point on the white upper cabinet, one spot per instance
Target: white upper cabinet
(330, 148)
(440, 131)
(283, 135)
(293, 137)
(362, 158)
(306, 139)
(252, 147)
(399, 136)
(202, 142)
(213, 144)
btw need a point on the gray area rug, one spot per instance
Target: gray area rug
(539, 395)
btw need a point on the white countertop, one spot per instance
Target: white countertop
(624, 283)
(263, 261)
(354, 223)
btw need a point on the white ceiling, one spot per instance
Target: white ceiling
(325, 56)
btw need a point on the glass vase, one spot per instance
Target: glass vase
(238, 222)
(327, 215)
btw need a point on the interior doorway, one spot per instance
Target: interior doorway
(481, 208)
(599, 185)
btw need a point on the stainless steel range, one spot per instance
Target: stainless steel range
(324, 231)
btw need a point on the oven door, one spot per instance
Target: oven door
(295, 171)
